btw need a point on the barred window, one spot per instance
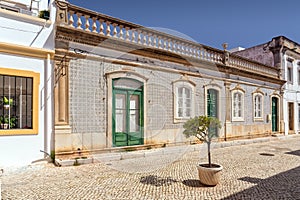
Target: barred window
(16, 102)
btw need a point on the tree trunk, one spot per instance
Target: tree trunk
(208, 152)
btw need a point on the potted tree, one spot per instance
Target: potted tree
(205, 129)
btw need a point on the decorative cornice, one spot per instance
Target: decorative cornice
(238, 87)
(128, 72)
(258, 91)
(185, 78)
(25, 18)
(20, 50)
(213, 83)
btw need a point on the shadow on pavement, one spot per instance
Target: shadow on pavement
(251, 179)
(285, 185)
(157, 181)
(295, 153)
(193, 183)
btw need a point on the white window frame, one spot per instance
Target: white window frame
(187, 86)
(234, 110)
(255, 107)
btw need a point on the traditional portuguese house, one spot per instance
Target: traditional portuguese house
(26, 60)
(119, 84)
(284, 55)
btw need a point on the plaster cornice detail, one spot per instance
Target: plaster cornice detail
(21, 50)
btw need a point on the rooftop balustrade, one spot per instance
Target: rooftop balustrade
(82, 19)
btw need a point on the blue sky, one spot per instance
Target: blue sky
(242, 23)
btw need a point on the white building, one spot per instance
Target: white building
(283, 54)
(26, 54)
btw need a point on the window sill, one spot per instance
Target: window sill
(238, 120)
(14, 132)
(258, 119)
(180, 120)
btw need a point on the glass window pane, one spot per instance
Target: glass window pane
(180, 102)
(120, 120)
(180, 92)
(187, 93)
(134, 120)
(180, 112)
(188, 112)
(120, 101)
(134, 101)
(134, 113)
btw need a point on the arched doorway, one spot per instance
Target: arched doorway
(127, 112)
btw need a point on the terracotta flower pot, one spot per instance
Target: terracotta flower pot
(209, 175)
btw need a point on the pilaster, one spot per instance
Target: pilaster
(61, 95)
(228, 128)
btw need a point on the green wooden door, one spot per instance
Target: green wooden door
(274, 114)
(212, 105)
(127, 117)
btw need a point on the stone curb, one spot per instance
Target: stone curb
(108, 157)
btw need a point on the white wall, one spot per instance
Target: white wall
(30, 31)
(291, 94)
(27, 30)
(17, 149)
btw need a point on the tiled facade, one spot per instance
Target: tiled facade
(282, 53)
(161, 65)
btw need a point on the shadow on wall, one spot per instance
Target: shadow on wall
(285, 185)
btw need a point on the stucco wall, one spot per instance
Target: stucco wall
(88, 105)
(20, 31)
(18, 150)
(258, 53)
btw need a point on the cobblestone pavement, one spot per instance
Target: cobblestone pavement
(268, 170)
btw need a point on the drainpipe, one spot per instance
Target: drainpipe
(46, 131)
(48, 108)
(1, 172)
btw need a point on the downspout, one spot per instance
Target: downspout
(49, 137)
(46, 131)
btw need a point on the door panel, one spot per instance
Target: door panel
(127, 118)
(212, 106)
(212, 103)
(134, 113)
(120, 112)
(274, 114)
(134, 131)
(119, 118)
(291, 116)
